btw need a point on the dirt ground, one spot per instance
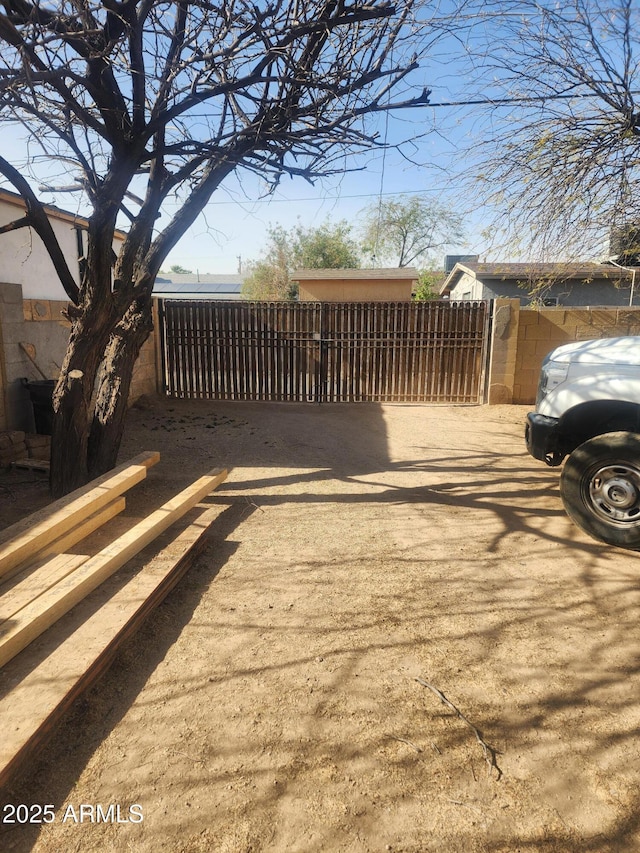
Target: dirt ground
(271, 703)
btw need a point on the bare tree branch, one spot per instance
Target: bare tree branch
(37, 218)
(134, 98)
(559, 172)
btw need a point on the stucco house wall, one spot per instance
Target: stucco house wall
(467, 287)
(33, 330)
(23, 257)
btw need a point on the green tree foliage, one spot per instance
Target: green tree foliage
(406, 230)
(269, 277)
(328, 246)
(176, 268)
(429, 281)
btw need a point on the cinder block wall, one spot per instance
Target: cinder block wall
(144, 379)
(521, 338)
(541, 330)
(33, 340)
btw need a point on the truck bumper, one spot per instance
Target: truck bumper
(541, 436)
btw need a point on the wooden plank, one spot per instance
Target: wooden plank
(23, 540)
(52, 563)
(36, 617)
(35, 580)
(84, 528)
(43, 693)
(32, 464)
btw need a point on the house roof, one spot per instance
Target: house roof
(563, 271)
(53, 212)
(393, 273)
(196, 286)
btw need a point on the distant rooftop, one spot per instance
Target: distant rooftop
(353, 274)
(560, 269)
(198, 286)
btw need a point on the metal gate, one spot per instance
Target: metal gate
(400, 352)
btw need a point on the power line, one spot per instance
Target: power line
(250, 203)
(525, 99)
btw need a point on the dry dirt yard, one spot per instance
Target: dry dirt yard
(271, 703)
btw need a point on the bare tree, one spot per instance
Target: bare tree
(560, 156)
(406, 230)
(139, 100)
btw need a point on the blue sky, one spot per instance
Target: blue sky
(236, 221)
(235, 224)
(234, 227)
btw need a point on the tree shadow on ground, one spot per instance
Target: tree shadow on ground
(565, 702)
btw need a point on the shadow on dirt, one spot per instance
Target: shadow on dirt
(565, 703)
(51, 777)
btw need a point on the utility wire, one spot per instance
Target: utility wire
(525, 99)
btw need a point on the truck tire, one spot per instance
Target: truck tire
(600, 488)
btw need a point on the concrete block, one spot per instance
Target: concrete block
(540, 332)
(11, 294)
(529, 317)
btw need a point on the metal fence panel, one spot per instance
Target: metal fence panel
(325, 352)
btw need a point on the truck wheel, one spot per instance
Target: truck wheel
(600, 488)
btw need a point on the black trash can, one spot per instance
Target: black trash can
(41, 394)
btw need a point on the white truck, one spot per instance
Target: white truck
(588, 410)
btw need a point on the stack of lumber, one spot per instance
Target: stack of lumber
(42, 579)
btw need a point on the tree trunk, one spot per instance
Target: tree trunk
(72, 406)
(113, 390)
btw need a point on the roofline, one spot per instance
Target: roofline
(51, 210)
(381, 274)
(578, 273)
(458, 269)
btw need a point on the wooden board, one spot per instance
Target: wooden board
(29, 622)
(26, 586)
(22, 541)
(84, 528)
(40, 696)
(32, 464)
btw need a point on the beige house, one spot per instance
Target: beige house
(25, 260)
(33, 331)
(361, 285)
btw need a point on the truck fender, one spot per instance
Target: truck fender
(587, 389)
